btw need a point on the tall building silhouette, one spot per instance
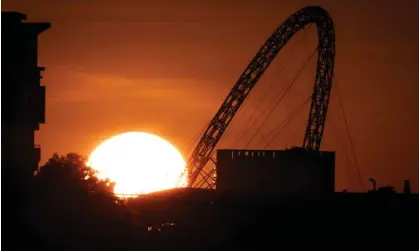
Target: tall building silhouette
(22, 110)
(22, 96)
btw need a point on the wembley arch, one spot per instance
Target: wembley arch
(248, 79)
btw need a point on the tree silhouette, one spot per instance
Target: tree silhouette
(72, 206)
(72, 173)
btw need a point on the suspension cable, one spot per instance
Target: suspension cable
(196, 137)
(240, 115)
(347, 162)
(349, 134)
(286, 121)
(283, 95)
(254, 121)
(245, 130)
(277, 70)
(190, 144)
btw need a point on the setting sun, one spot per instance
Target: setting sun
(138, 163)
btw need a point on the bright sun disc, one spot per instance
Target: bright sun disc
(139, 163)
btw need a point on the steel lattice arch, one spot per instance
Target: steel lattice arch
(248, 79)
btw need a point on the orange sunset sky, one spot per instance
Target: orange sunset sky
(166, 66)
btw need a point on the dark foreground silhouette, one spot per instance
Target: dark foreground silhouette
(62, 210)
